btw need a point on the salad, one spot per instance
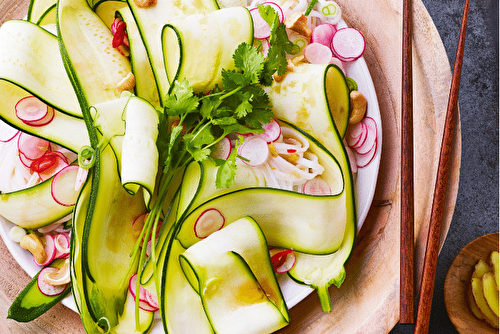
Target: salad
(178, 165)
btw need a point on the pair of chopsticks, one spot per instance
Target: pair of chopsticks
(407, 229)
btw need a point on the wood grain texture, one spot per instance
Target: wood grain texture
(368, 301)
(407, 258)
(457, 283)
(432, 250)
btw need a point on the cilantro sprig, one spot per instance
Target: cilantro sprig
(192, 124)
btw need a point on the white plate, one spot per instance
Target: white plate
(366, 180)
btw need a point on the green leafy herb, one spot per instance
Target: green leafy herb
(192, 124)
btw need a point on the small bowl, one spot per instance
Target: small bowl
(458, 281)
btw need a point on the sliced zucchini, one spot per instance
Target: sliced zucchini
(63, 130)
(94, 65)
(103, 240)
(37, 8)
(106, 10)
(150, 21)
(48, 18)
(296, 100)
(127, 321)
(145, 85)
(214, 36)
(231, 271)
(31, 303)
(30, 58)
(181, 304)
(42, 211)
(311, 224)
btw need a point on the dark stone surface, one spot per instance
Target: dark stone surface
(476, 211)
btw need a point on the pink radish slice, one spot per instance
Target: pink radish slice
(272, 131)
(209, 221)
(352, 159)
(62, 245)
(7, 132)
(282, 260)
(261, 29)
(361, 139)
(33, 111)
(363, 160)
(254, 150)
(50, 250)
(317, 53)
(222, 149)
(354, 133)
(63, 186)
(32, 147)
(316, 186)
(323, 34)
(59, 165)
(371, 136)
(44, 287)
(145, 297)
(48, 160)
(348, 44)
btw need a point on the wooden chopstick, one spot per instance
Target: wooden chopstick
(432, 250)
(407, 299)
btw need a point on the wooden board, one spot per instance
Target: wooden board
(368, 301)
(457, 283)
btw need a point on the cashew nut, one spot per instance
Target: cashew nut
(127, 83)
(60, 276)
(32, 243)
(144, 3)
(298, 23)
(358, 107)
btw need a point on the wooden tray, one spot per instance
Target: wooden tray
(368, 301)
(457, 283)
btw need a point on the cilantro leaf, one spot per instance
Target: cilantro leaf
(182, 99)
(248, 59)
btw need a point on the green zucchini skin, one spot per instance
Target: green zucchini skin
(208, 35)
(312, 113)
(30, 303)
(43, 211)
(44, 75)
(151, 21)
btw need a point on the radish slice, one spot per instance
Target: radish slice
(254, 150)
(272, 131)
(59, 165)
(323, 34)
(316, 186)
(222, 149)
(261, 29)
(7, 132)
(209, 221)
(34, 112)
(358, 141)
(331, 11)
(352, 159)
(63, 186)
(363, 160)
(61, 242)
(44, 287)
(147, 301)
(282, 260)
(50, 250)
(348, 44)
(371, 136)
(32, 147)
(317, 53)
